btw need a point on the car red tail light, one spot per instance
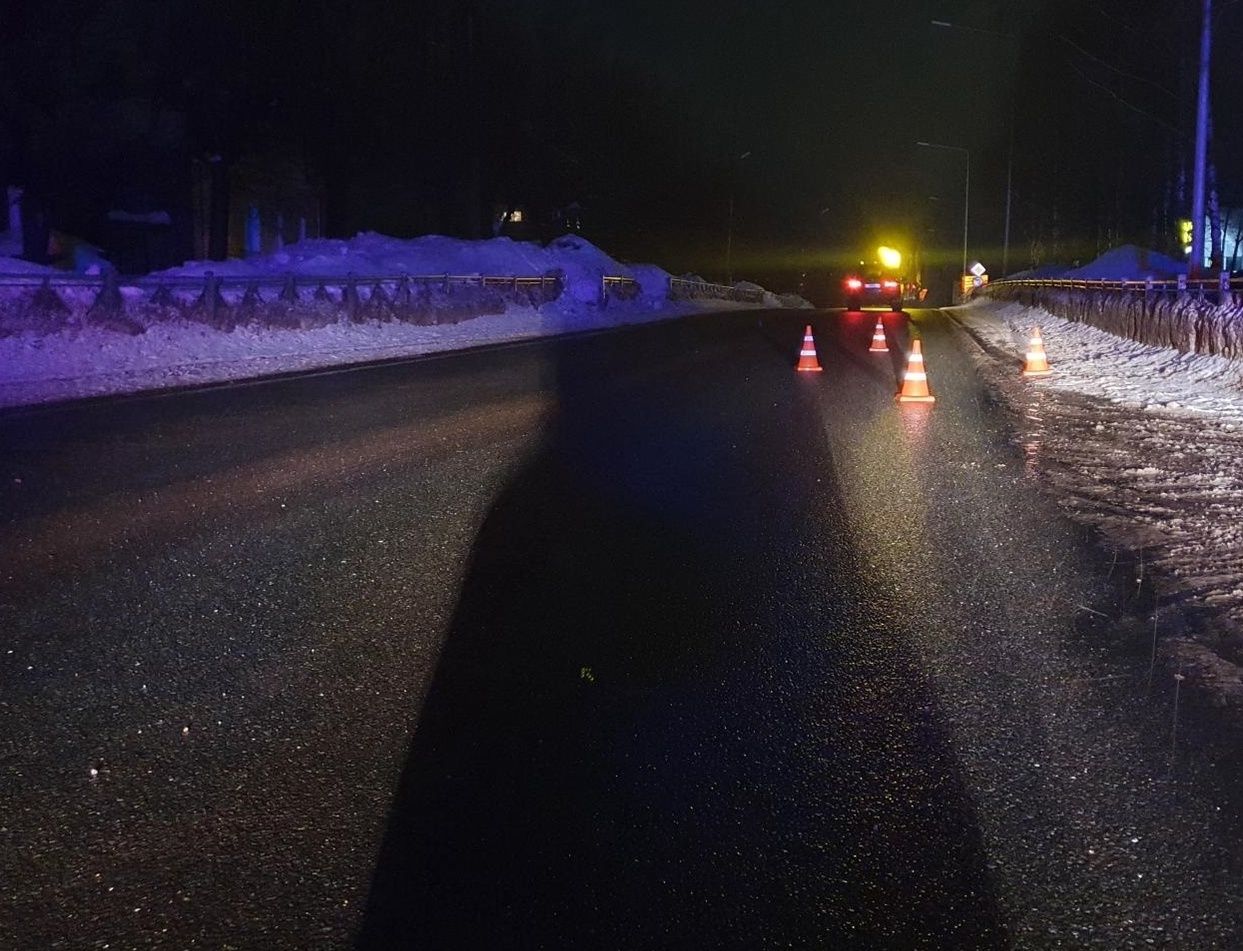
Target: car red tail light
(853, 283)
(891, 284)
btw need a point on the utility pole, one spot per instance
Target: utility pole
(1201, 151)
(1005, 246)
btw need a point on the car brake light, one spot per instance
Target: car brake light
(891, 283)
(854, 283)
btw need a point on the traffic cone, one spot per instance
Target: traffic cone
(807, 359)
(878, 339)
(915, 380)
(1037, 364)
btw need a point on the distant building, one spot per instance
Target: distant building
(512, 221)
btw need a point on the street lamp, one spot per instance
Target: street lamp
(966, 196)
(729, 239)
(1201, 146)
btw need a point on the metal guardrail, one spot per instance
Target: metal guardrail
(623, 288)
(220, 301)
(228, 281)
(108, 287)
(1181, 285)
(681, 288)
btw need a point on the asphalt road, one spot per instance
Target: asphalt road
(632, 640)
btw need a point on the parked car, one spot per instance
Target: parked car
(872, 287)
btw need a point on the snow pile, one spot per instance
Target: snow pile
(1146, 444)
(54, 344)
(793, 301)
(1128, 263)
(376, 255)
(1129, 374)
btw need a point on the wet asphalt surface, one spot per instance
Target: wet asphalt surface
(629, 640)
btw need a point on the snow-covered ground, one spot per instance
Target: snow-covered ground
(1146, 444)
(1127, 262)
(69, 355)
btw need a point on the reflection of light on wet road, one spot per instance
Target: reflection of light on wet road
(1033, 434)
(915, 421)
(880, 446)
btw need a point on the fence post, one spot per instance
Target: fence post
(251, 299)
(378, 303)
(163, 296)
(47, 301)
(349, 298)
(109, 298)
(1223, 280)
(1182, 283)
(211, 305)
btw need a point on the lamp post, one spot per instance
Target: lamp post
(1201, 149)
(1005, 242)
(966, 196)
(729, 237)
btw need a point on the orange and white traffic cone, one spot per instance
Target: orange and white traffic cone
(808, 362)
(878, 339)
(1037, 363)
(915, 380)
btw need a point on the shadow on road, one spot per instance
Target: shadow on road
(664, 715)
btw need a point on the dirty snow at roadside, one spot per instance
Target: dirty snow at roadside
(95, 362)
(1146, 444)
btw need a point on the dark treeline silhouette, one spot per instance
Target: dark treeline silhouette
(626, 119)
(414, 118)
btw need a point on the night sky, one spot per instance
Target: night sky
(426, 116)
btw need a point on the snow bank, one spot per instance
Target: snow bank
(1128, 263)
(1189, 322)
(376, 255)
(59, 343)
(1146, 444)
